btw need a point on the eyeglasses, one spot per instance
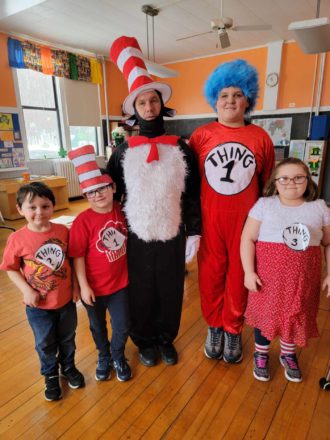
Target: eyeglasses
(285, 180)
(92, 194)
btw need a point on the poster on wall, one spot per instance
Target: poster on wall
(297, 149)
(12, 153)
(279, 129)
(6, 121)
(314, 154)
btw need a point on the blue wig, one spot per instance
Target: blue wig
(236, 73)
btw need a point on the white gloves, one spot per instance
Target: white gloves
(192, 246)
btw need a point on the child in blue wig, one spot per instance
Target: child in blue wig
(235, 160)
(236, 73)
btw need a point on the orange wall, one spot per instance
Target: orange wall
(295, 86)
(188, 96)
(297, 76)
(7, 91)
(116, 89)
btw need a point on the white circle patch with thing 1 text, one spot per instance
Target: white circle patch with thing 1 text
(229, 168)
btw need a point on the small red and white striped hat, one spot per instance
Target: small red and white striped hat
(89, 174)
(126, 53)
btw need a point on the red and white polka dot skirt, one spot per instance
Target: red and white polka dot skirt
(287, 304)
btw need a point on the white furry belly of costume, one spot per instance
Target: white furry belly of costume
(153, 203)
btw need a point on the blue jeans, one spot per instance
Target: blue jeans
(54, 334)
(117, 305)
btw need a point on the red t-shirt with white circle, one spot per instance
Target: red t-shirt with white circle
(102, 240)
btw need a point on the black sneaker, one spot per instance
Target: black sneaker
(123, 370)
(74, 377)
(148, 356)
(260, 369)
(168, 354)
(291, 368)
(103, 369)
(213, 347)
(52, 388)
(232, 351)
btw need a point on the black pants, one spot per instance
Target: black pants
(259, 338)
(156, 282)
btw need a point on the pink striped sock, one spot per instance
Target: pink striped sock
(287, 348)
(262, 348)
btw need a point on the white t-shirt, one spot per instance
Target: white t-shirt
(299, 225)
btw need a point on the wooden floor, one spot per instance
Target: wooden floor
(196, 399)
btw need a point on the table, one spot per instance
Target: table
(9, 188)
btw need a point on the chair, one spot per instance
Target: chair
(3, 226)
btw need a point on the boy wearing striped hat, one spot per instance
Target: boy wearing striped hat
(157, 175)
(97, 243)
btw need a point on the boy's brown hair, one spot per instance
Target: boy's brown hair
(32, 190)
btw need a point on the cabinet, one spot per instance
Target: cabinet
(9, 188)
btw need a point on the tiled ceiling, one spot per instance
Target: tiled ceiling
(92, 25)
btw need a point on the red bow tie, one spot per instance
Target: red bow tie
(137, 141)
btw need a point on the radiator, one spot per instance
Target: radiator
(65, 168)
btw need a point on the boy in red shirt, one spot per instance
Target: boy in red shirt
(35, 259)
(97, 243)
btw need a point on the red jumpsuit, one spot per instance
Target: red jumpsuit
(234, 165)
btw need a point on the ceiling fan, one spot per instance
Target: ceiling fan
(223, 24)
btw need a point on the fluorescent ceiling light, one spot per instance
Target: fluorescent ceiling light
(313, 36)
(11, 7)
(159, 70)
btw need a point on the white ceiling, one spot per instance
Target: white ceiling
(93, 25)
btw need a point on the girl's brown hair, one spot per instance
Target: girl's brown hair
(311, 192)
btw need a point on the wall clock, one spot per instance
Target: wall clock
(272, 79)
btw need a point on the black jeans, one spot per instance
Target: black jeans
(54, 333)
(117, 305)
(156, 281)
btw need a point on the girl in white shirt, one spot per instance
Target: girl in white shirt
(281, 256)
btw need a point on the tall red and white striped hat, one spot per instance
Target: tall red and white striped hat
(89, 174)
(126, 53)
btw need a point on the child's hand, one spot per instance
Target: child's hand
(252, 281)
(326, 285)
(87, 295)
(31, 297)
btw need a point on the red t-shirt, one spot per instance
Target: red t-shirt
(102, 240)
(42, 258)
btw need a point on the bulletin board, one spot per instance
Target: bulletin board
(279, 129)
(12, 153)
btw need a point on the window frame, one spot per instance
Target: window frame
(61, 115)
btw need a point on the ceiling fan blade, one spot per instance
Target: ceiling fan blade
(252, 27)
(195, 35)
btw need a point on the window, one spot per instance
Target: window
(40, 110)
(84, 136)
(58, 112)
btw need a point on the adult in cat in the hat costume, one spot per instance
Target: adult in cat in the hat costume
(235, 160)
(158, 177)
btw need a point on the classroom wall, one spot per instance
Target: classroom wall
(116, 89)
(295, 85)
(7, 91)
(188, 97)
(297, 76)
(294, 90)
